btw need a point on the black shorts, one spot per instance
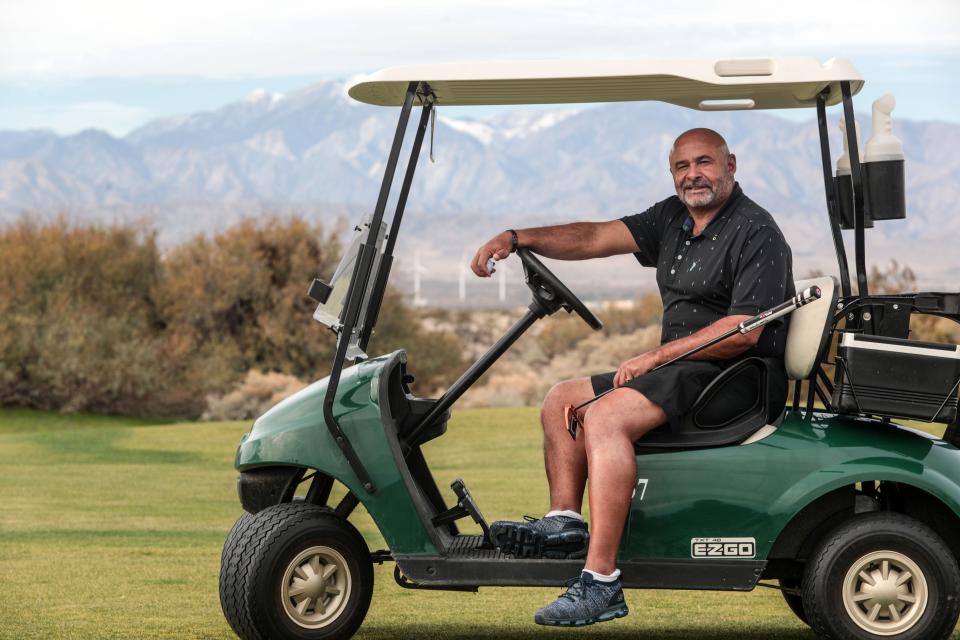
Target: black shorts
(677, 386)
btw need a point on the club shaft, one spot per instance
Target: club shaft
(806, 296)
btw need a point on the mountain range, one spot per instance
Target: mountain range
(317, 153)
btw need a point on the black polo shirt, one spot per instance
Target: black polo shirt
(739, 264)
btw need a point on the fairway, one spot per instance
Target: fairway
(112, 528)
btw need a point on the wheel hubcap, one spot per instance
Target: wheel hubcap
(885, 593)
(316, 586)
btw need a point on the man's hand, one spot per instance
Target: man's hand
(635, 367)
(497, 248)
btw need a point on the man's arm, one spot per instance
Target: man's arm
(574, 241)
(724, 350)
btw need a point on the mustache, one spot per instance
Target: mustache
(697, 183)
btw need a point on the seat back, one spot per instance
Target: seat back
(758, 385)
(809, 332)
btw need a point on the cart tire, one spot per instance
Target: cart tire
(295, 571)
(882, 575)
(794, 601)
(231, 576)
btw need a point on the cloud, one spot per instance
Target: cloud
(244, 38)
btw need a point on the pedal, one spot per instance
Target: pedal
(466, 506)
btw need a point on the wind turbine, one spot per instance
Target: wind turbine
(418, 269)
(502, 270)
(462, 273)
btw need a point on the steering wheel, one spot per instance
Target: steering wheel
(550, 293)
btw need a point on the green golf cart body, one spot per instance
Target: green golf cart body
(810, 497)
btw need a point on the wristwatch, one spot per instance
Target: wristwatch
(514, 241)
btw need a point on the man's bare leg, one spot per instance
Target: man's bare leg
(611, 426)
(564, 458)
(566, 464)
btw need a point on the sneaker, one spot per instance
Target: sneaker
(586, 601)
(553, 537)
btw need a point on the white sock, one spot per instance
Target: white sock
(599, 577)
(567, 513)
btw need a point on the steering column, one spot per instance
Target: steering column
(549, 296)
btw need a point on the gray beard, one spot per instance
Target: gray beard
(723, 188)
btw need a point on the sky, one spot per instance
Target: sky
(68, 66)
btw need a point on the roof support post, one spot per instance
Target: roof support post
(386, 260)
(358, 285)
(856, 172)
(831, 193)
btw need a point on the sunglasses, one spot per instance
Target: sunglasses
(572, 417)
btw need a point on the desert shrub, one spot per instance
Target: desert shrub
(238, 301)
(599, 353)
(96, 319)
(891, 278)
(934, 329)
(517, 389)
(647, 311)
(520, 382)
(561, 334)
(435, 357)
(78, 328)
(257, 392)
(565, 332)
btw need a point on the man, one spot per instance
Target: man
(720, 259)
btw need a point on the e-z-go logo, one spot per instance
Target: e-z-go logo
(723, 547)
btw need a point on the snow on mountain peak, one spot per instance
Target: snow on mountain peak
(479, 130)
(258, 96)
(518, 124)
(524, 123)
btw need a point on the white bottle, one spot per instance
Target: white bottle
(844, 181)
(843, 162)
(883, 163)
(883, 146)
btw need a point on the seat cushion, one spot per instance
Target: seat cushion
(744, 398)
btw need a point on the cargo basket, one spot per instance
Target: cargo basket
(897, 378)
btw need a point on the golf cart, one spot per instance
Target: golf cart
(854, 518)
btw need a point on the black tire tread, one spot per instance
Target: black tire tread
(234, 564)
(243, 550)
(863, 526)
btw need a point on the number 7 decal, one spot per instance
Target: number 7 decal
(643, 491)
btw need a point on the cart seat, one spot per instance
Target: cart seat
(751, 394)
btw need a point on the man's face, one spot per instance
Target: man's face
(702, 171)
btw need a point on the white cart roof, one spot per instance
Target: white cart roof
(708, 85)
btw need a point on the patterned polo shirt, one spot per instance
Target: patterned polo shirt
(739, 264)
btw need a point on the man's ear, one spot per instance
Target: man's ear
(732, 164)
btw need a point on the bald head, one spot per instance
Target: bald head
(703, 135)
(703, 169)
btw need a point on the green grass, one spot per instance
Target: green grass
(112, 528)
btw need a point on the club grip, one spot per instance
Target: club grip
(806, 296)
